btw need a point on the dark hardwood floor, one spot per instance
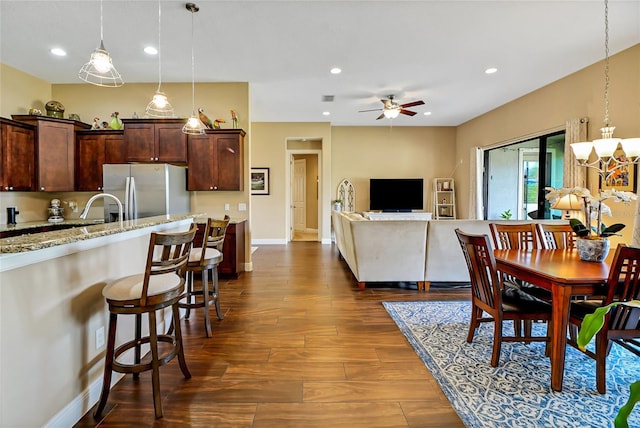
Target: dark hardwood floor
(300, 346)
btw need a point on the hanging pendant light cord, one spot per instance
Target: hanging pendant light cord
(606, 63)
(193, 73)
(159, 45)
(101, 27)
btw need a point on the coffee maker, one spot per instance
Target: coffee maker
(11, 215)
(55, 211)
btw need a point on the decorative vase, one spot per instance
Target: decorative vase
(115, 122)
(337, 206)
(593, 250)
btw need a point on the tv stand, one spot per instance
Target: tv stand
(397, 215)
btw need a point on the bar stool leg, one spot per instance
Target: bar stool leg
(190, 275)
(205, 298)
(216, 292)
(179, 343)
(108, 366)
(155, 364)
(138, 348)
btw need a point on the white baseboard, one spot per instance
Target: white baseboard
(255, 242)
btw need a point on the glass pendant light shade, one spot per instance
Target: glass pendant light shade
(194, 125)
(605, 147)
(582, 150)
(159, 106)
(631, 147)
(100, 70)
(391, 113)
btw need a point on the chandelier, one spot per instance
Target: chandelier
(605, 148)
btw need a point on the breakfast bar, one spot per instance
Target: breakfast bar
(53, 316)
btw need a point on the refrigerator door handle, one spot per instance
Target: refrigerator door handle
(127, 185)
(132, 200)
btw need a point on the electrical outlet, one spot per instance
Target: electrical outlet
(100, 337)
(226, 207)
(242, 207)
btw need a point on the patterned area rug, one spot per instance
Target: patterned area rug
(517, 393)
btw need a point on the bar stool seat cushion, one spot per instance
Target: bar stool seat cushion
(130, 287)
(211, 255)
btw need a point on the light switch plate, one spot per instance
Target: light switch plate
(242, 207)
(226, 207)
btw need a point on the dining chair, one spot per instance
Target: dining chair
(518, 236)
(622, 324)
(556, 236)
(159, 287)
(488, 296)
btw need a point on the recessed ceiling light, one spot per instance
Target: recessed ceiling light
(326, 113)
(491, 70)
(336, 70)
(151, 50)
(427, 113)
(58, 52)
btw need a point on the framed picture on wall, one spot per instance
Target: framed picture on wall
(620, 177)
(259, 181)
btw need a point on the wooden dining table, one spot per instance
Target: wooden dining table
(565, 275)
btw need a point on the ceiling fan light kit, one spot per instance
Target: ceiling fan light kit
(391, 109)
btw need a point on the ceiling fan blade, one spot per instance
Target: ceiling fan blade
(412, 104)
(375, 109)
(380, 117)
(408, 112)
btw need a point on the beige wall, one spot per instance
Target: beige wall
(20, 92)
(364, 152)
(270, 214)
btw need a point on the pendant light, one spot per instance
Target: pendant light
(607, 163)
(194, 125)
(99, 70)
(159, 106)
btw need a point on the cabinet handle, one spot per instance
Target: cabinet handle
(210, 187)
(42, 189)
(151, 158)
(157, 158)
(215, 187)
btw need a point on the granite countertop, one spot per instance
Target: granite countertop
(82, 230)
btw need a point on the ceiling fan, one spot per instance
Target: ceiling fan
(391, 109)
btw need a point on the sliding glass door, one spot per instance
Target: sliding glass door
(515, 176)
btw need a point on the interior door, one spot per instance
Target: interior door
(299, 194)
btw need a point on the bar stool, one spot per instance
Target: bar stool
(203, 259)
(159, 287)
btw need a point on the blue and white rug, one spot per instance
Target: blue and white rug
(517, 393)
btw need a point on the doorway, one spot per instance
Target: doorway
(305, 197)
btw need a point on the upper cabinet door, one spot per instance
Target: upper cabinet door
(140, 141)
(155, 140)
(18, 157)
(171, 142)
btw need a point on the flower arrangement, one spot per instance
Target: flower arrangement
(593, 208)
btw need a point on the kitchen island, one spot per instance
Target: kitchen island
(53, 316)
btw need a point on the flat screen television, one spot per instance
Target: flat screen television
(396, 194)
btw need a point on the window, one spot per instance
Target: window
(515, 176)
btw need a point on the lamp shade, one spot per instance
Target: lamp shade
(605, 147)
(582, 150)
(631, 147)
(567, 203)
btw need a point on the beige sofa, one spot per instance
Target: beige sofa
(421, 251)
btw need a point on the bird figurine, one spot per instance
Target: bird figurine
(205, 119)
(217, 122)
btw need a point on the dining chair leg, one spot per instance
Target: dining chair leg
(476, 313)
(108, 366)
(189, 281)
(497, 343)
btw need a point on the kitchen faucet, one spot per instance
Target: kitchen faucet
(85, 210)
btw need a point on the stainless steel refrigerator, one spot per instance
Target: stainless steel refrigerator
(145, 190)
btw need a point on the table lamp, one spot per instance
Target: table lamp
(567, 203)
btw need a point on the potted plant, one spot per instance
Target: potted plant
(506, 215)
(592, 242)
(337, 204)
(591, 325)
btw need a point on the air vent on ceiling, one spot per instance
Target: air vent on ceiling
(327, 98)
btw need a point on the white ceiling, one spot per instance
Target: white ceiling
(422, 49)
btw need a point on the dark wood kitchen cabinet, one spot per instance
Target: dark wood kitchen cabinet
(155, 140)
(17, 156)
(55, 151)
(93, 149)
(216, 160)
